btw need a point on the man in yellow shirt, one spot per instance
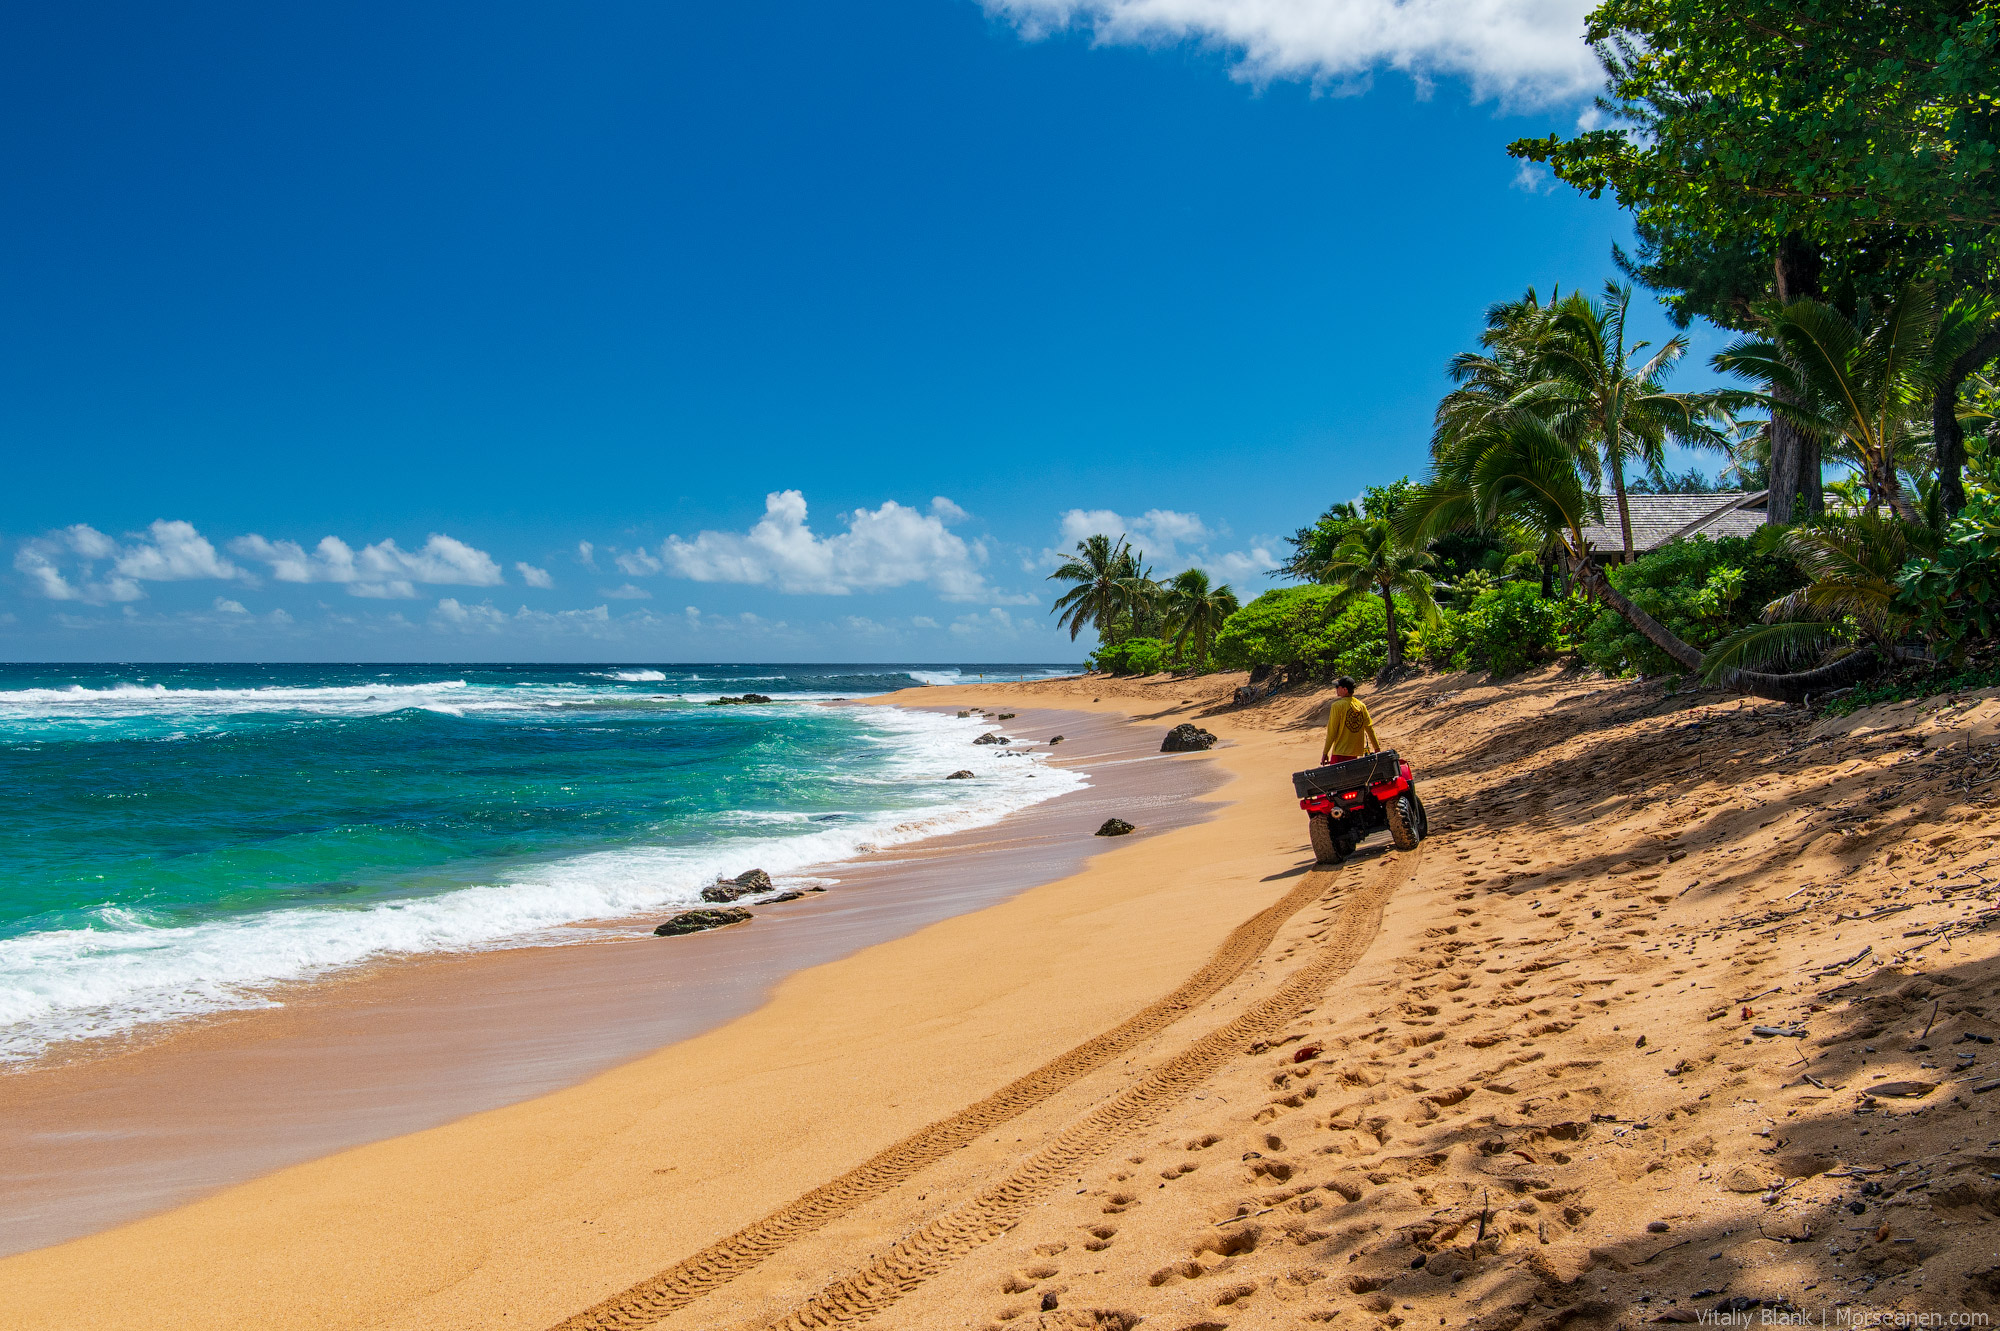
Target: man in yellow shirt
(1350, 731)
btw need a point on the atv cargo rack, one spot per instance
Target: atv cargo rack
(1356, 773)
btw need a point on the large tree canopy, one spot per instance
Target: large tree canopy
(1839, 119)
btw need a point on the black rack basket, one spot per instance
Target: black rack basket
(1333, 778)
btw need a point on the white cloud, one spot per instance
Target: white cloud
(637, 563)
(534, 577)
(923, 622)
(890, 546)
(1169, 539)
(586, 555)
(1519, 51)
(1532, 178)
(995, 623)
(63, 565)
(382, 570)
(225, 606)
(628, 592)
(485, 617)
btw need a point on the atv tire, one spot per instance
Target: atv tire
(1327, 847)
(1405, 821)
(1423, 819)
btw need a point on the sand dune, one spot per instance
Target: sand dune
(1684, 1005)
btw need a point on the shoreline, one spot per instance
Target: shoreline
(105, 1136)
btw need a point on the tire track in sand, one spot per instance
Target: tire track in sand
(931, 1247)
(721, 1262)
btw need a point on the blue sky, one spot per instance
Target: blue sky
(777, 331)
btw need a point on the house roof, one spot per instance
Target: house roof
(1658, 520)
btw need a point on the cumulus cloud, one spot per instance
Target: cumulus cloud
(382, 570)
(890, 546)
(1522, 52)
(637, 563)
(596, 622)
(628, 592)
(64, 565)
(534, 577)
(1170, 540)
(225, 606)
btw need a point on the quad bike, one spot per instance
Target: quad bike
(1345, 801)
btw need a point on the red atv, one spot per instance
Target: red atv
(1345, 801)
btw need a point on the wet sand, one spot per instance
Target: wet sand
(96, 1137)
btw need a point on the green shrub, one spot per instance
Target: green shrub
(1505, 628)
(1309, 628)
(1700, 589)
(1955, 597)
(1133, 656)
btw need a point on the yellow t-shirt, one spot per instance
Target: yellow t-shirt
(1347, 721)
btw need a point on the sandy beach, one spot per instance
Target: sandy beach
(1684, 1002)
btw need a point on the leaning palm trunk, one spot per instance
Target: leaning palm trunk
(1791, 688)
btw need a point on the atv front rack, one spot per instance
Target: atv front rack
(1356, 773)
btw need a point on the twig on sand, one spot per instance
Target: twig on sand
(1233, 1219)
(1669, 1248)
(1927, 1025)
(1484, 1211)
(1772, 990)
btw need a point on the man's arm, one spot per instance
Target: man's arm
(1333, 716)
(1368, 726)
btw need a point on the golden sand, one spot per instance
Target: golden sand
(1513, 1078)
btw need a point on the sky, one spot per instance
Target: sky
(777, 331)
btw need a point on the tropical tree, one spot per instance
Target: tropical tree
(1524, 473)
(1374, 559)
(1772, 149)
(1103, 571)
(1862, 387)
(1195, 611)
(1853, 563)
(1600, 395)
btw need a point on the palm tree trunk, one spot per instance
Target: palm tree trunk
(1597, 584)
(1948, 433)
(1618, 488)
(1794, 688)
(1395, 659)
(1795, 485)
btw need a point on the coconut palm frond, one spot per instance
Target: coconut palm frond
(1760, 646)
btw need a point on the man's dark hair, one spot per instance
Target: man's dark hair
(1344, 683)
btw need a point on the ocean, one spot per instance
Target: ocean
(186, 839)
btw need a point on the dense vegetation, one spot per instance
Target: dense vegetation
(1823, 179)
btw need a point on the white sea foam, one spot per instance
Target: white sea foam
(635, 676)
(124, 973)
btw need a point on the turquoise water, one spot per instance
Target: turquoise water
(182, 839)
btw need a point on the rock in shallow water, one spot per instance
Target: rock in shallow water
(962, 774)
(742, 885)
(1185, 738)
(738, 702)
(993, 737)
(695, 921)
(1114, 827)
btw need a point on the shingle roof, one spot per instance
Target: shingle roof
(1659, 519)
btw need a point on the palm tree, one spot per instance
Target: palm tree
(1853, 563)
(1601, 397)
(1525, 474)
(1372, 559)
(1195, 611)
(1862, 386)
(1102, 569)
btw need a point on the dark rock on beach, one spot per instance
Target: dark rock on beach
(962, 774)
(696, 921)
(738, 702)
(1114, 827)
(1186, 738)
(1055, 739)
(992, 737)
(728, 889)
